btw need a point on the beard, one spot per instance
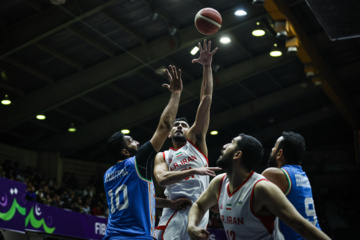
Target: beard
(132, 151)
(179, 139)
(225, 162)
(272, 161)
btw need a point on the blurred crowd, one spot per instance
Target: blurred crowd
(68, 194)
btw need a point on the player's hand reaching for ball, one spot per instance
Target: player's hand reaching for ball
(205, 58)
(175, 81)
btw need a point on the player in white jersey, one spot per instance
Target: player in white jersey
(237, 216)
(184, 169)
(249, 204)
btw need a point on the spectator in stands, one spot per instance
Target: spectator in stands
(30, 193)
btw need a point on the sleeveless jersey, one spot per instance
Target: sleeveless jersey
(184, 158)
(300, 195)
(131, 202)
(173, 223)
(237, 215)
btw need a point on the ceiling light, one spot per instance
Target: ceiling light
(72, 128)
(155, 16)
(40, 117)
(240, 13)
(214, 132)
(125, 131)
(6, 100)
(280, 29)
(258, 2)
(216, 68)
(275, 51)
(258, 31)
(194, 50)
(160, 70)
(172, 30)
(225, 40)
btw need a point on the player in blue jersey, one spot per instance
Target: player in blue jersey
(128, 184)
(286, 172)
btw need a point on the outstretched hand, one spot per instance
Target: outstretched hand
(205, 58)
(207, 171)
(175, 81)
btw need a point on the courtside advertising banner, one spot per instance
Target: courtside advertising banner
(12, 205)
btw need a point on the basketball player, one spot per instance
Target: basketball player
(286, 172)
(249, 204)
(128, 185)
(183, 169)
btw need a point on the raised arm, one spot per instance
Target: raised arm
(197, 132)
(167, 118)
(207, 200)
(271, 198)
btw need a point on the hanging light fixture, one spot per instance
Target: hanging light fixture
(275, 51)
(40, 117)
(258, 31)
(6, 100)
(225, 40)
(72, 128)
(214, 132)
(125, 131)
(194, 50)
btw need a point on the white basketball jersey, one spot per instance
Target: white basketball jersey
(183, 158)
(237, 216)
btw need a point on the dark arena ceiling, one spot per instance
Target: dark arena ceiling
(97, 64)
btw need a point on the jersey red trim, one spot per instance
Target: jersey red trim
(207, 160)
(221, 182)
(267, 221)
(162, 227)
(237, 189)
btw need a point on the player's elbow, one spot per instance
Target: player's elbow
(166, 124)
(206, 98)
(162, 181)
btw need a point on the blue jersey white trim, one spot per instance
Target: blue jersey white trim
(300, 195)
(131, 201)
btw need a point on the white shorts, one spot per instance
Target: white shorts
(173, 224)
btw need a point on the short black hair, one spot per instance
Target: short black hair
(293, 146)
(182, 119)
(252, 151)
(115, 144)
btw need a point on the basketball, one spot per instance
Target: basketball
(208, 21)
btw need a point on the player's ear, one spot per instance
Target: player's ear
(238, 154)
(125, 152)
(169, 136)
(280, 154)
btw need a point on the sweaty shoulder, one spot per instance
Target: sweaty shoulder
(278, 177)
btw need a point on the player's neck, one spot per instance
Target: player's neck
(237, 178)
(177, 144)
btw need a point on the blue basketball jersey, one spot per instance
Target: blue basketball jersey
(300, 195)
(131, 201)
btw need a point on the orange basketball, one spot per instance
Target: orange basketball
(208, 21)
